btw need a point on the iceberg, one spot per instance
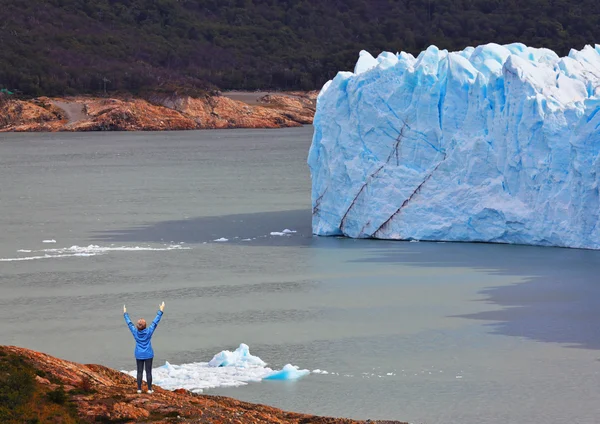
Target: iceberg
(490, 144)
(240, 357)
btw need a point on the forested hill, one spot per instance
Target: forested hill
(56, 47)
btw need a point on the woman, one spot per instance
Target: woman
(143, 346)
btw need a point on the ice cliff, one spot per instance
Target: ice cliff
(494, 143)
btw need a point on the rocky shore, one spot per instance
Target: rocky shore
(38, 388)
(159, 112)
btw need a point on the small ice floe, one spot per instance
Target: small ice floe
(289, 372)
(414, 241)
(49, 241)
(318, 371)
(225, 369)
(459, 376)
(222, 239)
(286, 232)
(246, 239)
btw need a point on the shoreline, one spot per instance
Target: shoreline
(158, 112)
(71, 392)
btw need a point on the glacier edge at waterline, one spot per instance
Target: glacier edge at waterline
(493, 144)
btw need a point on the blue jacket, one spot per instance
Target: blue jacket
(143, 345)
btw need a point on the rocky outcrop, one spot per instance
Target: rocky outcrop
(156, 113)
(39, 114)
(72, 392)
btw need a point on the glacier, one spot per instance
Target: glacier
(490, 144)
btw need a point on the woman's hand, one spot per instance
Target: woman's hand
(124, 309)
(162, 307)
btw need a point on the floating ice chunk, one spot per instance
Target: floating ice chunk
(226, 369)
(49, 241)
(221, 239)
(199, 376)
(246, 239)
(289, 372)
(285, 232)
(241, 357)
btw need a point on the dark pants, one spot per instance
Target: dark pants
(140, 370)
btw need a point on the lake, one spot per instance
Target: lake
(424, 332)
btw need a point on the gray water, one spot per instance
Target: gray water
(425, 332)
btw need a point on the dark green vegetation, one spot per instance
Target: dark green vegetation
(22, 400)
(57, 47)
(17, 384)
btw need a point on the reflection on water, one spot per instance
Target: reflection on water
(235, 228)
(558, 302)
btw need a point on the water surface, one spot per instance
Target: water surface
(426, 332)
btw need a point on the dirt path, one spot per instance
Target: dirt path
(73, 110)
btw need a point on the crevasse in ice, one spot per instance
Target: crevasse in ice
(494, 143)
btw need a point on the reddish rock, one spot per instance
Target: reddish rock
(158, 113)
(101, 394)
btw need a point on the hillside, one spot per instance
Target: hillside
(158, 113)
(68, 47)
(38, 388)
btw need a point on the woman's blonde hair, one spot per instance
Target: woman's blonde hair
(141, 324)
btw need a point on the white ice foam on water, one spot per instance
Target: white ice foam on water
(221, 239)
(86, 251)
(225, 369)
(32, 258)
(92, 248)
(49, 241)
